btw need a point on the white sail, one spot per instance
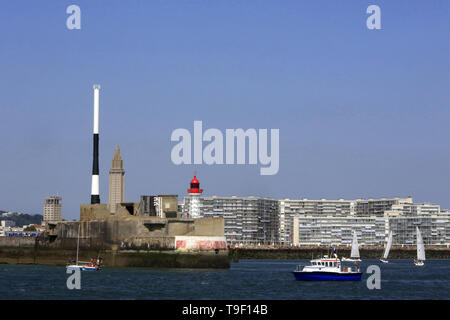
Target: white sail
(355, 249)
(420, 246)
(388, 246)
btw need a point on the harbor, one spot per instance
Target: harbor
(248, 279)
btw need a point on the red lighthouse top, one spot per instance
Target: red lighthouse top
(195, 186)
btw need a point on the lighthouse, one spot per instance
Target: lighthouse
(95, 195)
(194, 197)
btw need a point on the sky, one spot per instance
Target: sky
(361, 113)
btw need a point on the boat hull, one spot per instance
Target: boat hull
(82, 268)
(74, 267)
(91, 269)
(327, 276)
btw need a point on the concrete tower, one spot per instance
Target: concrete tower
(52, 209)
(116, 181)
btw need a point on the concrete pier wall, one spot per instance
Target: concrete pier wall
(17, 242)
(134, 241)
(111, 258)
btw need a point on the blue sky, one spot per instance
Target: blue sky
(361, 113)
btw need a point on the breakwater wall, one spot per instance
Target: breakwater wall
(316, 252)
(17, 242)
(30, 250)
(128, 258)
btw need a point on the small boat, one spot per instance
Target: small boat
(84, 267)
(94, 265)
(387, 249)
(354, 255)
(419, 263)
(327, 269)
(420, 250)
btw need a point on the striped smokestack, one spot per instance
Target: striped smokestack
(95, 196)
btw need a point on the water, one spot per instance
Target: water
(248, 279)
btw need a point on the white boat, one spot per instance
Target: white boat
(327, 269)
(85, 266)
(354, 255)
(420, 250)
(387, 249)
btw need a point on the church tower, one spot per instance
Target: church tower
(116, 181)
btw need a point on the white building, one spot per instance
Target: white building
(371, 219)
(247, 220)
(7, 223)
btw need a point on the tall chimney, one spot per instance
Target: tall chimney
(95, 196)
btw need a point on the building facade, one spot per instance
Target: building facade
(52, 209)
(162, 206)
(305, 207)
(7, 223)
(247, 220)
(434, 224)
(307, 223)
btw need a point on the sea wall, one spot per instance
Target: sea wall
(48, 255)
(17, 242)
(126, 242)
(237, 253)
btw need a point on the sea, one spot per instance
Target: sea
(246, 280)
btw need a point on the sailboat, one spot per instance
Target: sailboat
(354, 256)
(386, 250)
(420, 249)
(87, 266)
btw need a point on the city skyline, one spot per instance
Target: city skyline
(361, 113)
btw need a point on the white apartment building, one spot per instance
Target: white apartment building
(248, 220)
(255, 220)
(371, 219)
